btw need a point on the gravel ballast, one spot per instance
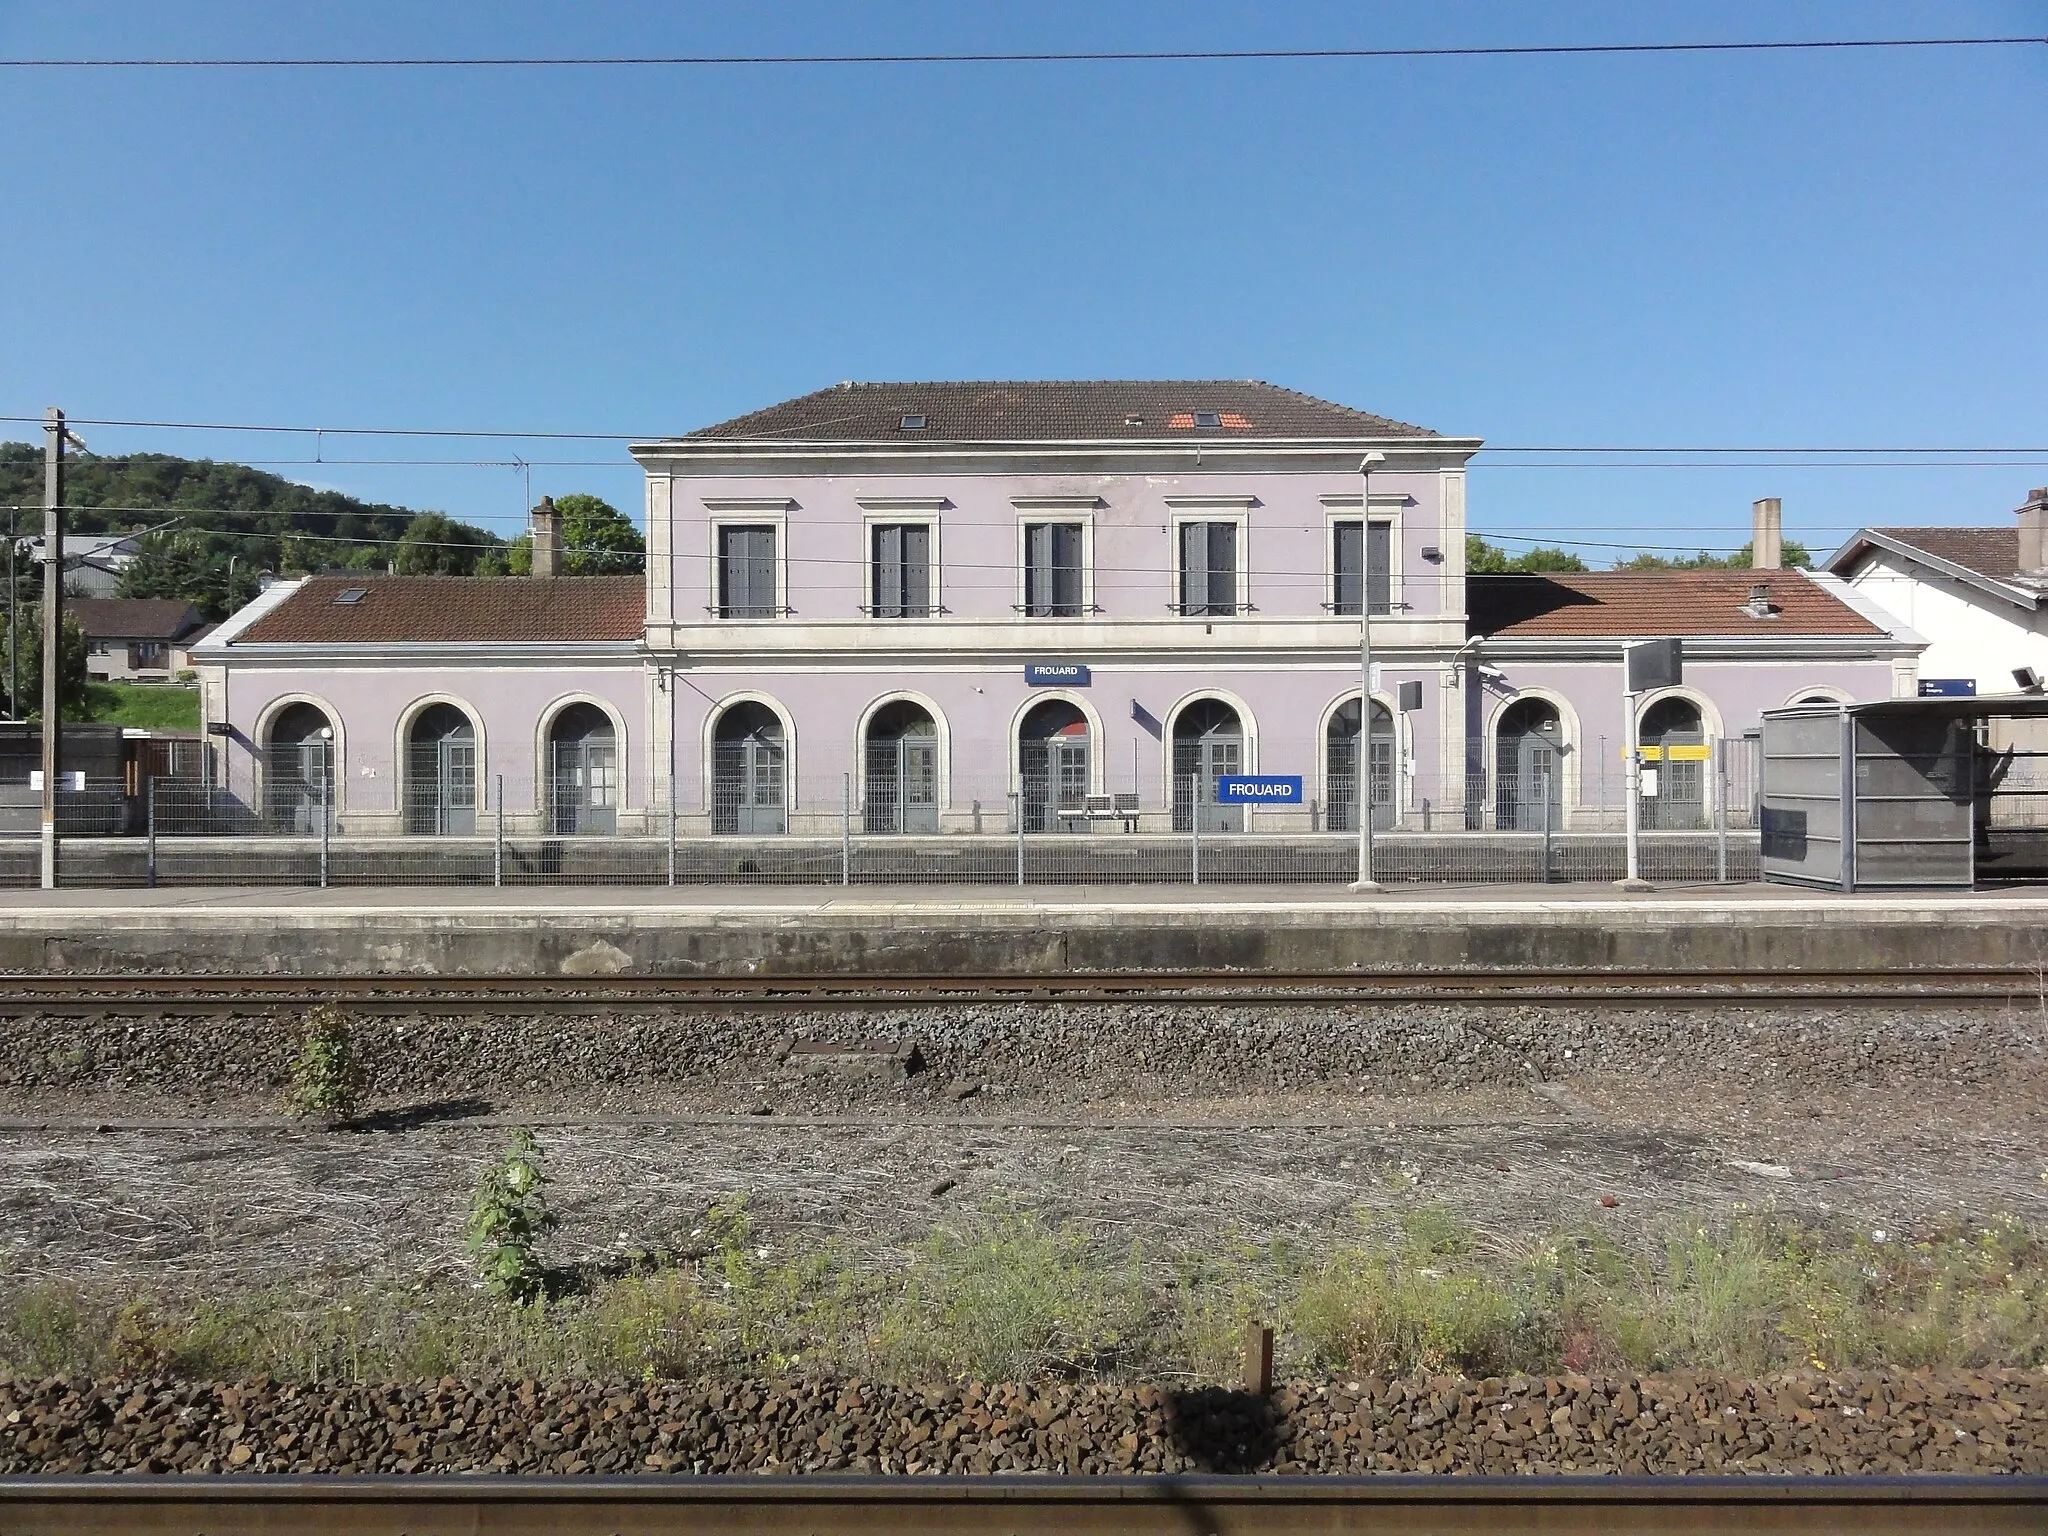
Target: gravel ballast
(1991, 1421)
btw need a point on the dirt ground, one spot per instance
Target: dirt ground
(168, 1189)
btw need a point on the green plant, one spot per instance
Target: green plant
(507, 1216)
(328, 1077)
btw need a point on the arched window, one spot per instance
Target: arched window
(1528, 767)
(1208, 744)
(440, 785)
(1674, 743)
(1341, 767)
(583, 773)
(1052, 767)
(298, 770)
(747, 772)
(902, 766)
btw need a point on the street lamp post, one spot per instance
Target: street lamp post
(1365, 885)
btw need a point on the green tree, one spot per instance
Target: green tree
(28, 640)
(1794, 554)
(434, 544)
(190, 569)
(1484, 559)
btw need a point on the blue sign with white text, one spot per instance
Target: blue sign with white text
(1258, 789)
(1055, 674)
(1948, 687)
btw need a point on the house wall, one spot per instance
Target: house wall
(1970, 633)
(373, 702)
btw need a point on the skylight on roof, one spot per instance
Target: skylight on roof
(349, 596)
(1208, 419)
(912, 422)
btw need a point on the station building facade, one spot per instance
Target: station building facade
(938, 608)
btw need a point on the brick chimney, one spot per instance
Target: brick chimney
(2033, 518)
(547, 538)
(1766, 534)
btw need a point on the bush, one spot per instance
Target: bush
(507, 1216)
(328, 1078)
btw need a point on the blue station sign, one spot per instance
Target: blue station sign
(1948, 687)
(1258, 789)
(1055, 674)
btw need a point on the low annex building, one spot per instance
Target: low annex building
(909, 609)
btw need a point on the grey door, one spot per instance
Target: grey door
(747, 758)
(1052, 763)
(1343, 768)
(1208, 744)
(901, 787)
(1674, 744)
(298, 772)
(1528, 760)
(441, 783)
(583, 773)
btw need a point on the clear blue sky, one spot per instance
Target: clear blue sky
(1789, 249)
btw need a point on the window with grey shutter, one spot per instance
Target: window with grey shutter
(1362, 562)
(1052, 570)
(746, 572)
(900, 574)
(1208, 568)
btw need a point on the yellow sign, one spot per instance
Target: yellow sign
(1695, 754)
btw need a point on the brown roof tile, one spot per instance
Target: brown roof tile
(455, 609)
(1993, 552)
(1039, 411)
(133, 618)
(1624, 604)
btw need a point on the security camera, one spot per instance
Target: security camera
(2028, 679)
(1492, 674)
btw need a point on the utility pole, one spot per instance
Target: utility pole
(54, 437)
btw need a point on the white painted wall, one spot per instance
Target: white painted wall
(1969, 632)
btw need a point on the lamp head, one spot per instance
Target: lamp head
(1371, 462)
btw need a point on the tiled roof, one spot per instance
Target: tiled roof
(1993, 552)
(133, 618)
(1041, 411)
(455, 609)
(1626, 604)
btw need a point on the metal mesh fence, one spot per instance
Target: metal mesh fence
(897, 823)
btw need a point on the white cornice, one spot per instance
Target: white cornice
(685, 457)
(749, 503)
(1218, 503)
(1339, 500)
(522, 653)
(1057, 503)
(902, 503)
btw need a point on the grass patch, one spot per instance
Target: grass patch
(144, 706)
(1000, 1295)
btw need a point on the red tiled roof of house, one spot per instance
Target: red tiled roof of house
(1993, 552)
(133, 618)
(1055, 410)
(509, 609)
(1626, 604)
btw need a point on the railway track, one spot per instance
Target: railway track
(568, 994)
(1193, 1506)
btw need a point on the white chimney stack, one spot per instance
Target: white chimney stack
(1766, 534)
(2033, 518)
(547, 538)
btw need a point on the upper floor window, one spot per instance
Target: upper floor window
(899, 571)
(746, 572)
(1208, 567)
(1052, 570)
(1362, 561)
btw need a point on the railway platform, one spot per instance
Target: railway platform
(1004, 930)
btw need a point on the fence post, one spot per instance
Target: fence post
(1017, 817)
(326, 791)
(1543, 789)
(498, 846)
(671, 809)
(1721, 810)
(152, 832)
(846, 829)
(1195, 832)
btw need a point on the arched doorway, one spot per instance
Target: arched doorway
(1052, 767)
(298, 770)
(1674, 742)
(1208, 744)
(440, 785)
(1341, 767)
(902, 766)
(583, 773)
(747, 758)
(1528, 767)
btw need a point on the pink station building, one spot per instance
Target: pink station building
(919, 609)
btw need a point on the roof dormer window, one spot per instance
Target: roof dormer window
(1208, 419)
(912, 421)
(348, 597)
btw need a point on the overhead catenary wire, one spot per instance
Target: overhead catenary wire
(1042, 56)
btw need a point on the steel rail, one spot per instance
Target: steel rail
(1024, 1506)
(1608, 988)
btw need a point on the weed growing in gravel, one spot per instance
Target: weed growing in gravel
(1000, 1294)
(507, 1215)
(328, 1076)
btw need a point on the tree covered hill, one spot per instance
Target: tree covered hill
(232, 523)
